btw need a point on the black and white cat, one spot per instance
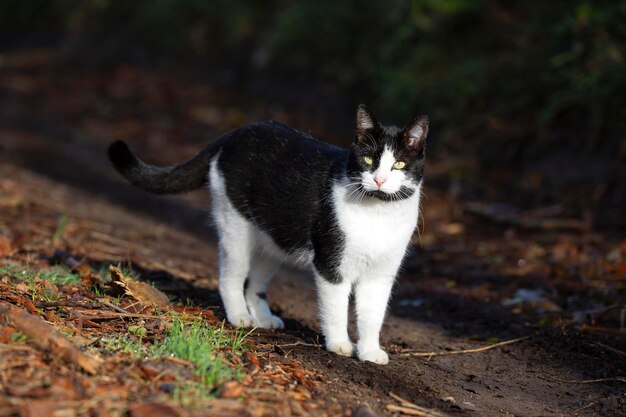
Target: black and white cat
(279, 195)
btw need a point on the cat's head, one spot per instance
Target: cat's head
(387, 162)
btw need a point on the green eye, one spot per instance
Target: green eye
(399, 165)
(368, 160)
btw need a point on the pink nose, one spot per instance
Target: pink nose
(379, 181)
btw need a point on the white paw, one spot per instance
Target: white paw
(271, 322)
(378, 356)
(242, 320)
(345, 348)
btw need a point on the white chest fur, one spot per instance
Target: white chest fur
(376, 234)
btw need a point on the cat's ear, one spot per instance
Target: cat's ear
(415, 134)
(366, 123)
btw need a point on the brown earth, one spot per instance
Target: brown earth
(468, 281)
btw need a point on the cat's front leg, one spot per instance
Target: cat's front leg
(372, 296)
(333, 299)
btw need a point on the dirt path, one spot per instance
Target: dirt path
(450, 296)
(467, 282)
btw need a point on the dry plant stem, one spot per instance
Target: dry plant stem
(582, 408)
(112, 306)
(589, 381)
(413, 411)
(44, 304)
(602, 330)
(460, 352)
(401, 400)
(94, 306)
(611, 349)
(411, 408)
(13, 346)
(45, 337)
(113, 315)
(315, 345)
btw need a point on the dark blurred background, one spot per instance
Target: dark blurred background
(527, 99)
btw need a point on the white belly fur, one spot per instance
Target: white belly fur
(377, 234)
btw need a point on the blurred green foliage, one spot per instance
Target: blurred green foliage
(527, 78)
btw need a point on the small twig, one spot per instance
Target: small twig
(68, 303)
(14, 346)
(587, 381)
(315, 345)
(612, 349)
(460, 352)
(114, 315)
(400, 399)
(112, 306)
(422, 412)
(602, 330)
(92, 306)
(408, 407)
(579, 409)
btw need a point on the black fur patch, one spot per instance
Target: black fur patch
(276, 176)
(328, 243)
(262, 295)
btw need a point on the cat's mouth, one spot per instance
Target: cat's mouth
(402, 194)
(357, 191)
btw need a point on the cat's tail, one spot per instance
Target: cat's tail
(181, 178)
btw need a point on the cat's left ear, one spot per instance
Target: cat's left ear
(415, 134)
(366, 123)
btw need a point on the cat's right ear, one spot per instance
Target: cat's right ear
(366, 123)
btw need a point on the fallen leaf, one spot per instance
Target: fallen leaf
(5, 246)
(140, 291)
(253, 359)
(231, 389)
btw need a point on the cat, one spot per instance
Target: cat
(279, 195)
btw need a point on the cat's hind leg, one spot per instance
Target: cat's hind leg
(262, 269)
(234, 266)
(235, 251)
